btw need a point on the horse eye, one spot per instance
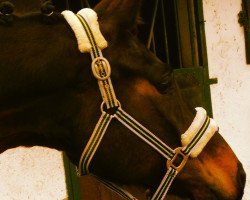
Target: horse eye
(163, 87)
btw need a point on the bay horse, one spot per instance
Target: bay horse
(49, 98)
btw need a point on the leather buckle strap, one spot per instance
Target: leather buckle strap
(178, 161)
(101, 68)
(93, 143)
(165, 184)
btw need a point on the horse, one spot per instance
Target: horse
(49, 98)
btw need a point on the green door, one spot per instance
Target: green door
(176, 35)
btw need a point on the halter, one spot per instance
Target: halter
(89, 38)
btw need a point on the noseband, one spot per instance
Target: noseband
(89, 38)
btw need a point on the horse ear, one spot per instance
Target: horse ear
(119, 13)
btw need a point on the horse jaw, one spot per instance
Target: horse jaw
(46, 120)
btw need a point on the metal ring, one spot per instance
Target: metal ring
(181, 164)
(103, 103)
(95, 68)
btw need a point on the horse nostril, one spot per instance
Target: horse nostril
(241, 180)
(241, 175)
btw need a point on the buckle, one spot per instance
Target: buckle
(98, 74)
(178, 161)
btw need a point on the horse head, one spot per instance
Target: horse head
(49, 98)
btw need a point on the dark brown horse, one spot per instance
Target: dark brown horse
(49, 98)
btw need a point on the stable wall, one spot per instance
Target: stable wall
(227, 62)
(32, 173)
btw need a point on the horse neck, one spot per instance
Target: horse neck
(38, 87)
(32, 121)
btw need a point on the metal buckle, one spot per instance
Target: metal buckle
(96, 68)
(178, 153)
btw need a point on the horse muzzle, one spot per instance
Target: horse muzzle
(214, 191)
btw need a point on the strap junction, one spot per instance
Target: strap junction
(193, 140)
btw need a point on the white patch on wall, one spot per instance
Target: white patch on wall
(227, 62)
(32, 173)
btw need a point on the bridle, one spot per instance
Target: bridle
(89, 38)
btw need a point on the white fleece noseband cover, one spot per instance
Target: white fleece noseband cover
(196, 126)
(90, 16)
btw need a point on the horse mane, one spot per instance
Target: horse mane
(47, 12)
(6, 10)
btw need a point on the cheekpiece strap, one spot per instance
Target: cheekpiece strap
(89, 38)
(93, 143)
(100, 66)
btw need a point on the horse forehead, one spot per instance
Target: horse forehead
(143, 87)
